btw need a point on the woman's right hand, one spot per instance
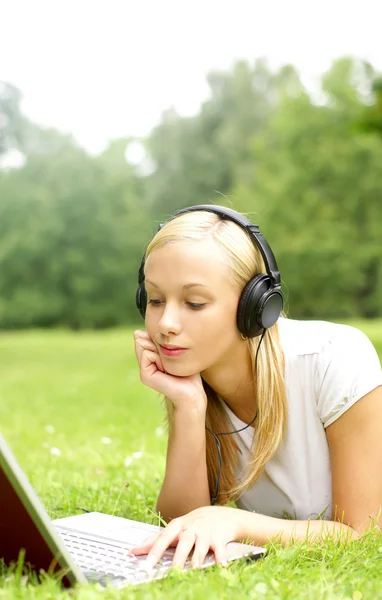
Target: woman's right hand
(184, 392)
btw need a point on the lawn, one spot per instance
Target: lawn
(89, 435)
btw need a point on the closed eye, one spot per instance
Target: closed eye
(192, 305)
(195, 305)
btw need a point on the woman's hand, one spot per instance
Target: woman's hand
(180, 390)
(204, 529)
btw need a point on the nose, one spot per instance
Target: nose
(169, 323)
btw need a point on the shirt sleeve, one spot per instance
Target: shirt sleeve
(348, 368)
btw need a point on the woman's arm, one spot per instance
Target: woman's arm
(212, 527)
(185, 486)
(355, 444)
(261, 529)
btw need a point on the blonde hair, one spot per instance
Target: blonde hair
(244, 261)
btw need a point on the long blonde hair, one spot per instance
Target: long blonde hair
(244, 261)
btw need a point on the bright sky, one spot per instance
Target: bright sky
(107, 68)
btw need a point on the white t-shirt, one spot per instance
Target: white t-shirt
(328, 367)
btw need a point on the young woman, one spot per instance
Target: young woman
(304, 396)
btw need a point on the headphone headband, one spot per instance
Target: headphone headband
(261, 300)
(252, 230)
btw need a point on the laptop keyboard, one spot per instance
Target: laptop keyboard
(108, 562)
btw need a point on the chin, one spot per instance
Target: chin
(179, 370)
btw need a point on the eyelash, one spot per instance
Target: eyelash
(192, 305)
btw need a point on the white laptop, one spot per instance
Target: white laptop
(80, 548)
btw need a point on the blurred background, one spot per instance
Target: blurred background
(115, 114)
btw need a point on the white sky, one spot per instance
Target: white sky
(107, 68)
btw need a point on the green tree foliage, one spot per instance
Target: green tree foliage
(73, 227)
(71, 232)
(12, 122)
(16, 131)
(371, 116)
(198, 157)
(316, 188)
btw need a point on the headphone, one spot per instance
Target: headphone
(261, 300)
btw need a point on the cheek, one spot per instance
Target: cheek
(150, 324)
(215, 337)
(221, 326)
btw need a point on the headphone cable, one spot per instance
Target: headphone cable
(216, 435)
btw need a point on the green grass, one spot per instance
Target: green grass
(76, 391)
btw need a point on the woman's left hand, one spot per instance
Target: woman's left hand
(204, 529)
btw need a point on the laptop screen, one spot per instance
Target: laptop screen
(24, 524)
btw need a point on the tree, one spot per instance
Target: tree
(198, 158)
(72, 230)
(317, 190)
(11, 120)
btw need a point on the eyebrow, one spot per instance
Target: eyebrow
(185, 287)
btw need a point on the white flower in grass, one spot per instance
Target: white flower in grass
(129, 459)
(106, 440)
(49, 429)
(55, 451)
(159, 431)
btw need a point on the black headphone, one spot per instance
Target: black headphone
(261, 300)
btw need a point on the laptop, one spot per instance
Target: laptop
(92, 547)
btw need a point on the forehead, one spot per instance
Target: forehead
(178, 263)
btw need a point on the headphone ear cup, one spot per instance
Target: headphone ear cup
(141, 299)
(247, 308)
(259, 306)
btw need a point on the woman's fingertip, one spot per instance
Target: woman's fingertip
(138, 550)
(151, 561)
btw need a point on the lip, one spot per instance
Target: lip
(172, 347)
(172, 350)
